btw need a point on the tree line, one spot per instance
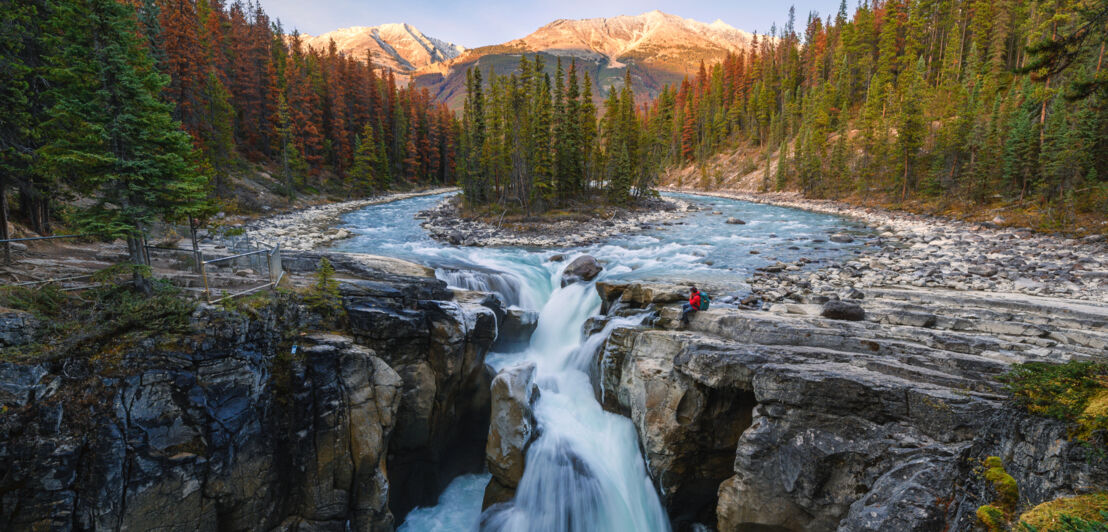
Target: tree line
(145, 108)
(531, 141)
(975, 100)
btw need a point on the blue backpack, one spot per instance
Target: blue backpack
(705, 300)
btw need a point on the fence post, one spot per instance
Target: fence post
(275, 265)
(204, 275)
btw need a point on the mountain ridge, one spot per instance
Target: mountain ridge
(399, 46)
(659, 49)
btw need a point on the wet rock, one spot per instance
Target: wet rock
(515, 330)
(735, 221)
(583, 268)
(774, 268)
(841, 310)
(511, 429)
(841, 238)
(557, 257)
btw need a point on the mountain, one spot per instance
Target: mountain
(400, 47)
(658, 48)
(655, 37)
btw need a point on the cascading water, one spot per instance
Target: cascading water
(584, 471)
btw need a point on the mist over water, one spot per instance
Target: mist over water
(584, 471)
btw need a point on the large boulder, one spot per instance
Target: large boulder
(511, 429)
(515, 330)
(583, 268)
(842, 310)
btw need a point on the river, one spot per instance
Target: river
(585, 471)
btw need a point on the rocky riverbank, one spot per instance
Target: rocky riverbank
(929, 252)
(446, 224)
(312, 227)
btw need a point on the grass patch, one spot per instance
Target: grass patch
(100, 322)
(1075, 392)
(1084, 513)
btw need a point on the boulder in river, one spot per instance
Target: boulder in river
(841, 238)
(841, 310)
(583, 268)
(511, 430)
(735, 221)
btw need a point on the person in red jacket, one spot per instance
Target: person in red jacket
(692, 306)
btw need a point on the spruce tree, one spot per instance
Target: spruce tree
(111, 134)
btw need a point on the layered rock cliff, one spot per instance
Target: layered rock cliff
(754, 420)
(253, 422)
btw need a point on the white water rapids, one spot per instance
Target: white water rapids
(584, 472)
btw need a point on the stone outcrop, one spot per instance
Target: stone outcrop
(807, 424)
(515, 330)
(511, 430)
(16, 327)
(230, 430)
(583, 268)
(245, 423)
(437, 343)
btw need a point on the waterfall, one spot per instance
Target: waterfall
(508, 286)
(584, 471)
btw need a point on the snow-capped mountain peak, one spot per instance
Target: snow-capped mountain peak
(398, 46)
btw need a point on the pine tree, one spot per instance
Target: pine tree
(365, 171)
(111, 133)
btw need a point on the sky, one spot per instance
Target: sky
(473, 23)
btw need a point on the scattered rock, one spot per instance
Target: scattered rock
(735, 221)
(841, 310)
(984, 270)
(841, 238)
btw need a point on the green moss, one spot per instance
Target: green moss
(1076, 392)
(1007, 491)
(997, 515)
(1084, 513)
(992, 518)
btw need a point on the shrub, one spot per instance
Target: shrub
(323, 296)
(1075, 392)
